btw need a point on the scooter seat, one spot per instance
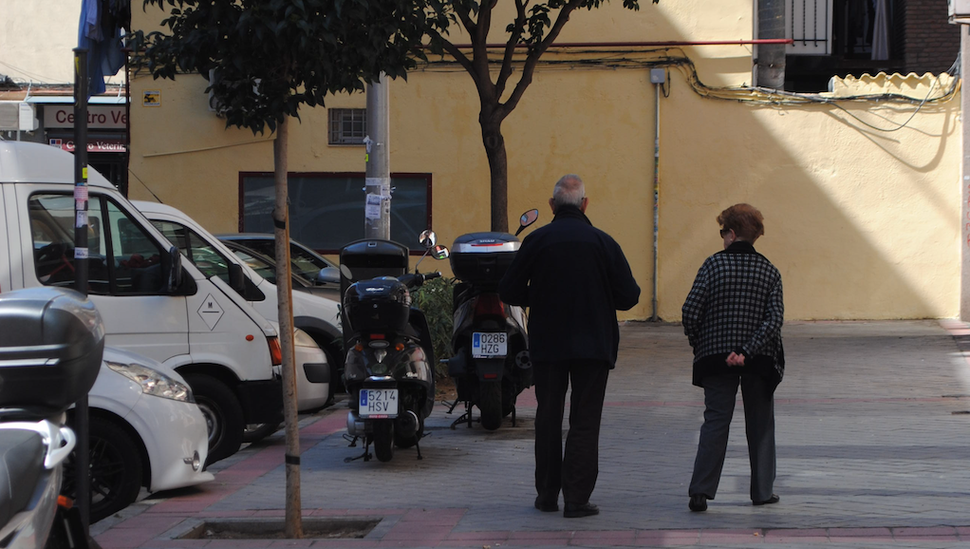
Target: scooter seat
(21, 466)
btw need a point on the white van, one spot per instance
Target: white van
(315, 315)
(152, 304)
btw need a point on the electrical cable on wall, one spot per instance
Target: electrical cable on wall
(664, 58)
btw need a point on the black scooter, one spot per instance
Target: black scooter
(51, 342)
(490, 339)
(389, 371)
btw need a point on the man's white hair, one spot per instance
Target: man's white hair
(569, 190)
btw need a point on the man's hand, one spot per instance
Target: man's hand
(735, 359)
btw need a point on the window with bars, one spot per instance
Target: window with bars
(347, 126)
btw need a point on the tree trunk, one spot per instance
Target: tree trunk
(284, 290)
(498, 168)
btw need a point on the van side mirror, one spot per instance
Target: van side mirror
(328, 276)
(237, 280)
(173, 270)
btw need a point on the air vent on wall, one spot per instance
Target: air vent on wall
(17, 116)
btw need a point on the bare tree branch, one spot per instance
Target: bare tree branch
(532, 60)
(518, 26)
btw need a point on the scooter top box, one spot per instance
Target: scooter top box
(483, 257)
(51, 342)
(377, 305)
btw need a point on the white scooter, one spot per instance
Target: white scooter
(51, 343)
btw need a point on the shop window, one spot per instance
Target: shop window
(347, 126)
(327, 209)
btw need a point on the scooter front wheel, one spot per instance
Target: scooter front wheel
(384, 440)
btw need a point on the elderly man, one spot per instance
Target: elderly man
(573, 277)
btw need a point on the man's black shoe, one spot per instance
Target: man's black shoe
(546, 507)
(698, 503)
(576, 510)
(773, 499)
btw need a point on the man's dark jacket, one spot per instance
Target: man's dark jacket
(573, 277)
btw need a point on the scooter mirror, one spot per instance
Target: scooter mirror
(529, 217)
(428, 239)
(441, 252)
(526, 219)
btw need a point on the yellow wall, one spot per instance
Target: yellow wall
(862, 224)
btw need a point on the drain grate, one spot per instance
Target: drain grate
(337, 528)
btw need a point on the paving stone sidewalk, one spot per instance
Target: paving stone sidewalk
(872, 424)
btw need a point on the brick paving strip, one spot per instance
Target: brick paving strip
(474, 488)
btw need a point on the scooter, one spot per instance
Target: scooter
(490, 339)
(388, 371)
(51, 342)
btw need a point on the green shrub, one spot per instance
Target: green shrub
(435, 299)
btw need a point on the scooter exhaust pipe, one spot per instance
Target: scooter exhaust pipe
(355, 426)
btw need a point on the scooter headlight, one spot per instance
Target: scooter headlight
(153, 382)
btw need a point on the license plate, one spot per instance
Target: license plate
(490, 344)
(378, 403)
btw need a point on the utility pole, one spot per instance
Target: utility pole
(82, 480)
(377, 207)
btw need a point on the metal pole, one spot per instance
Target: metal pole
(377, 207)
(965, 174)
(81, 87)
(658, 77)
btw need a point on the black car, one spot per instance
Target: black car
(304, 278)
(303, 261)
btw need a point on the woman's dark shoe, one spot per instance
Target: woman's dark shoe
(576, 510)
(698, 503)
(546, 507)
(769, 501)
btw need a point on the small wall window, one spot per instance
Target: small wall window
(347, 126)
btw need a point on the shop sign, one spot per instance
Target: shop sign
(94, 145)
(100, 117)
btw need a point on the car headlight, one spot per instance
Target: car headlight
(303, 339)
(153, 382)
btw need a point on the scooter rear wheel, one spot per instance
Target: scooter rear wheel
(490, 404)
(384, 440)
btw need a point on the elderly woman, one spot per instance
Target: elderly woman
(732, 318)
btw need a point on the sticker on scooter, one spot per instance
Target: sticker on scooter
(378, 403)
(490, 344)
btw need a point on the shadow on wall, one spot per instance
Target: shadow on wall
(862, 223)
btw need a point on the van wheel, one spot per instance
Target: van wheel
(116, 469)
(255, 432)
(490, 404)
(223, 415)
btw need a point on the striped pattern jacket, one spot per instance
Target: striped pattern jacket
(736, 305)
